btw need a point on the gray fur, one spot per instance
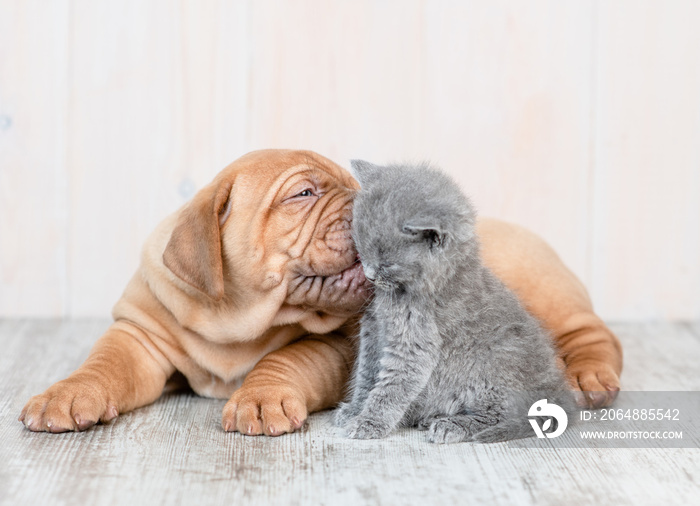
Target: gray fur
(444, 345)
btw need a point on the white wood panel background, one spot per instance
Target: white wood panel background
(579, 120)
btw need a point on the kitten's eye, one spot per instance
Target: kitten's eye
(305, 193)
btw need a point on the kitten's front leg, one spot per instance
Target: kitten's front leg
(408, 361)
(366, 368)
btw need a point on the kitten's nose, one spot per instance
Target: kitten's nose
(370, 273)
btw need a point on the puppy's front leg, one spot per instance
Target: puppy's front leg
(277, 395)
(123, 372)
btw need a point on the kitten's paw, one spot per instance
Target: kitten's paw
(367, 428)
(445, 431)
(344, 413)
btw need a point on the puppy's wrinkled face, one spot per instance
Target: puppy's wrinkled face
(298, 234)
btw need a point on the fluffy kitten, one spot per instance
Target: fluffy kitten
(444, 345)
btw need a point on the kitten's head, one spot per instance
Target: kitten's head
(411, 225)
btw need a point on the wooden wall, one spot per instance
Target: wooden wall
(578, 119)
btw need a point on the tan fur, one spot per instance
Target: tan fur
(214, 298)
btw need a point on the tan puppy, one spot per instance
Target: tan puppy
(256, 279)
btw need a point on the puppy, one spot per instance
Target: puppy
(251, 289)
(260, 258)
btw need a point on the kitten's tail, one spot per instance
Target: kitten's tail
(504, 432)
(518, 426)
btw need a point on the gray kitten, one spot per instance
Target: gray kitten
(444, 345)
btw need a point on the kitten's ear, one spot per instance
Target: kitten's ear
(432, 234)
(364, 171)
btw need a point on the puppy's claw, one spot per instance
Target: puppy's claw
(580, 399)
(111, 414)
(596, 398)
(83, 424)
(56, 429)
(612, 392)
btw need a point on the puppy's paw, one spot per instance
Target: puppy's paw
(73, 404)
(272, 410)
(367, 428)
(595, 384)
(344, 414)
(445, 431)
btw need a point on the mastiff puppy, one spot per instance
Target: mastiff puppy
(251, 290)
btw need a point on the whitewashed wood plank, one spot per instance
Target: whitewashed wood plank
(647, 169)
(33, 115)
(694, 328)
(158, 108)
(659, 356)
(174, 451)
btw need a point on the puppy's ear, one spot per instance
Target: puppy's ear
(193, 253)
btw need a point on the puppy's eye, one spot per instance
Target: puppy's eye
(305, 193)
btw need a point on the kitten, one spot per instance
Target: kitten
(444, 345)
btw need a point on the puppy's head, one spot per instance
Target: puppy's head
(275, 224)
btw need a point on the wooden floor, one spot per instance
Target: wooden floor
(175, 452)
